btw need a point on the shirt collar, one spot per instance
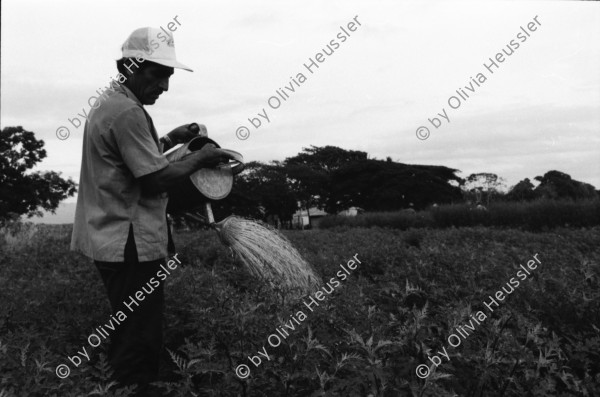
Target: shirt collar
(127, 92)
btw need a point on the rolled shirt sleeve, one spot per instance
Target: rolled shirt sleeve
(136, 143)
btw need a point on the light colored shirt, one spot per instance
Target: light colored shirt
(120, 145)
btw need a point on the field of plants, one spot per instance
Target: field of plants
(412, 290)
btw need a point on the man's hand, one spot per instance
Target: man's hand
(175, 173)
(211, 156)
(187, 132)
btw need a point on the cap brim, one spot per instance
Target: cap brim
(170, 63)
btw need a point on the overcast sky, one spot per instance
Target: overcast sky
(537, 111)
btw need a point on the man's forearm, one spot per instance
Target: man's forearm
(170, 176)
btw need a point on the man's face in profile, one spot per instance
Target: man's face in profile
(147, 84)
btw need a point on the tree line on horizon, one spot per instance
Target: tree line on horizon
(328, 177)
(335, 179)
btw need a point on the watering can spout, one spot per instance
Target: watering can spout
(218, 226)
(209, 214)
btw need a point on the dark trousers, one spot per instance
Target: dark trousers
(136, 344)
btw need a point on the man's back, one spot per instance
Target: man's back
(120, 145)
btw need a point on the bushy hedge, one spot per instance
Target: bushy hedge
(395, 220)
(535, 215)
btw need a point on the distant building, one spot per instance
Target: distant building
(300, 218)
(352, 211)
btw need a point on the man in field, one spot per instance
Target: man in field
(120, 220)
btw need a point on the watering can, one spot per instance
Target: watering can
(203, 185)
(262, 251)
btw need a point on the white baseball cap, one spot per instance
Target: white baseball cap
(152, 44)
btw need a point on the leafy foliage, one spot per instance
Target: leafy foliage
(334, 179)
(522, 191)
(386, 186)
(483, 186)
(261, 190)
(553, 185)
(556, 184)
(21, 191)
(402, 302)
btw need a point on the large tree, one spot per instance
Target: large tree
(377, 185)
(260, 191)
(309, 172)
(326, 158)
(22, 191)
(277, 196)
(522, 191)
(486, 183)
(558, 185)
